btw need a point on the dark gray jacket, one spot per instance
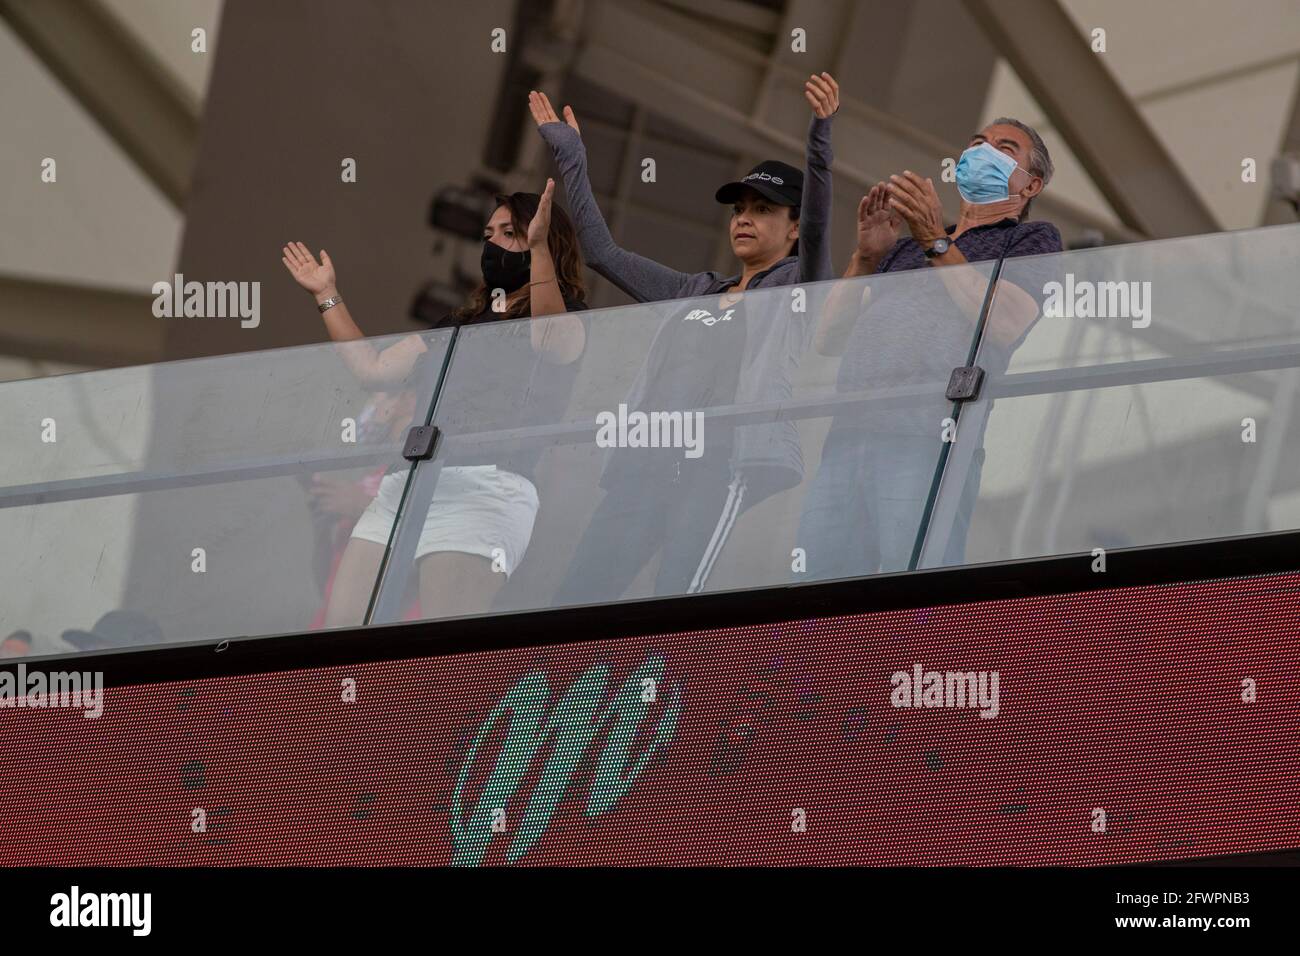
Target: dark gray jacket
(768, 454)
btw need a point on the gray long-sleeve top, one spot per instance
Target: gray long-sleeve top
(768, 453)
(648, 281)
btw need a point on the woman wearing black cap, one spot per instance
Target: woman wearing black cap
(774, 212)
(714, 351)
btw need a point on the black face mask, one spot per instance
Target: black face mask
(505, 270)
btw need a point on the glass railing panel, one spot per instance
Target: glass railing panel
(1152, 400)
(204, 499)
(724, 442)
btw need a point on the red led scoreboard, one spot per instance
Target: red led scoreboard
(1108, 725)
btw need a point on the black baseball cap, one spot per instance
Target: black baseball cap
(779, 182)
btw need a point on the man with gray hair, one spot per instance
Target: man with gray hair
(864, 509)
(1039, 161)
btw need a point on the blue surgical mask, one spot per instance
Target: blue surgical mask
(984, 174)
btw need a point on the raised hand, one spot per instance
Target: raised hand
(822, 94)
(315, 277)
(539, 229)
(543, 112)
(877, 223)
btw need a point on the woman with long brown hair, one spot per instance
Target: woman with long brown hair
(481, 518)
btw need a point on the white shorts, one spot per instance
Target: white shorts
(476, 509)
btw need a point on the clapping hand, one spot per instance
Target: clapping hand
(539, 229)
(877, 223)
(916, 201)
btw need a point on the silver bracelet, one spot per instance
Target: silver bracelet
(329, 303)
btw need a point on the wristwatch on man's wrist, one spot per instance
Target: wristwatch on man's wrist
(938, 247)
